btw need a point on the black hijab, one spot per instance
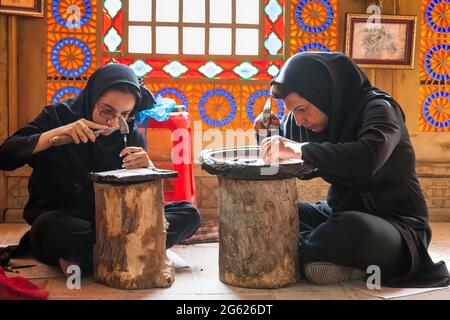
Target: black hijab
(335, 85)
(104, 153)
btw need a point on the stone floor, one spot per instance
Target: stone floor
(201, 281)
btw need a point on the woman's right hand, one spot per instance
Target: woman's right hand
(274, 122)
(79, 131)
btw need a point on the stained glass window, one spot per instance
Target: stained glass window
(181, 28)
(219, 105)
(313, 26)
(71, 46)
(195, 39)
(434, 101)
(214, 56)
(218, 46)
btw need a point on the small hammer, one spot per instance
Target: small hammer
(123, 126)
(65, 139)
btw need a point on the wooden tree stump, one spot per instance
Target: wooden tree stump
(259, 230)
(259, 224)
(130, 248)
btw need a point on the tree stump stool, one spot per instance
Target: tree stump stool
(258, 218)
(130, 248)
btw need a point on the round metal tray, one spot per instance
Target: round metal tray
(244, 163)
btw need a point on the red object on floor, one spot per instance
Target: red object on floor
(19, 288)
(183, 162)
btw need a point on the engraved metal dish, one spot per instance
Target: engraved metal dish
(244, 163)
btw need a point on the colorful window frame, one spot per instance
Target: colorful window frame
(434, 91)
(180, 24)
(76, 30)
(313, 26)
(263, 67)
(71, 46)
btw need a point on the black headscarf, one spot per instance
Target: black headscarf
(335, 85)
(104, 153)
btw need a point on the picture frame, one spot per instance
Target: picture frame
(386, 41)
(33, 8)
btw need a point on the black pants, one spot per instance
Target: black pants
(351, 238)
(57, 234)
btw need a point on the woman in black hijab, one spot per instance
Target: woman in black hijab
(61, 208)
(355, 137)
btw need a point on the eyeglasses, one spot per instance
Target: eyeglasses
(109, 114)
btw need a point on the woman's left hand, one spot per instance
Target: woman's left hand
(278, 148)
(135, 157)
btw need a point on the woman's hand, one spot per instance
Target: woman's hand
(276, 148)
(274, 122)
(135, 157)
(80, 131)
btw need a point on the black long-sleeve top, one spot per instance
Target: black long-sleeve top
(374, 172)
(59, 180)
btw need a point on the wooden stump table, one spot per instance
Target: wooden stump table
(130, 248)
(258, 218)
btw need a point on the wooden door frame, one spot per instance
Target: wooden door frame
(12, 74)
(9, 121)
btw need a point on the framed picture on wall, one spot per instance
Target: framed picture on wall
(33, 8)
(386, 41)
